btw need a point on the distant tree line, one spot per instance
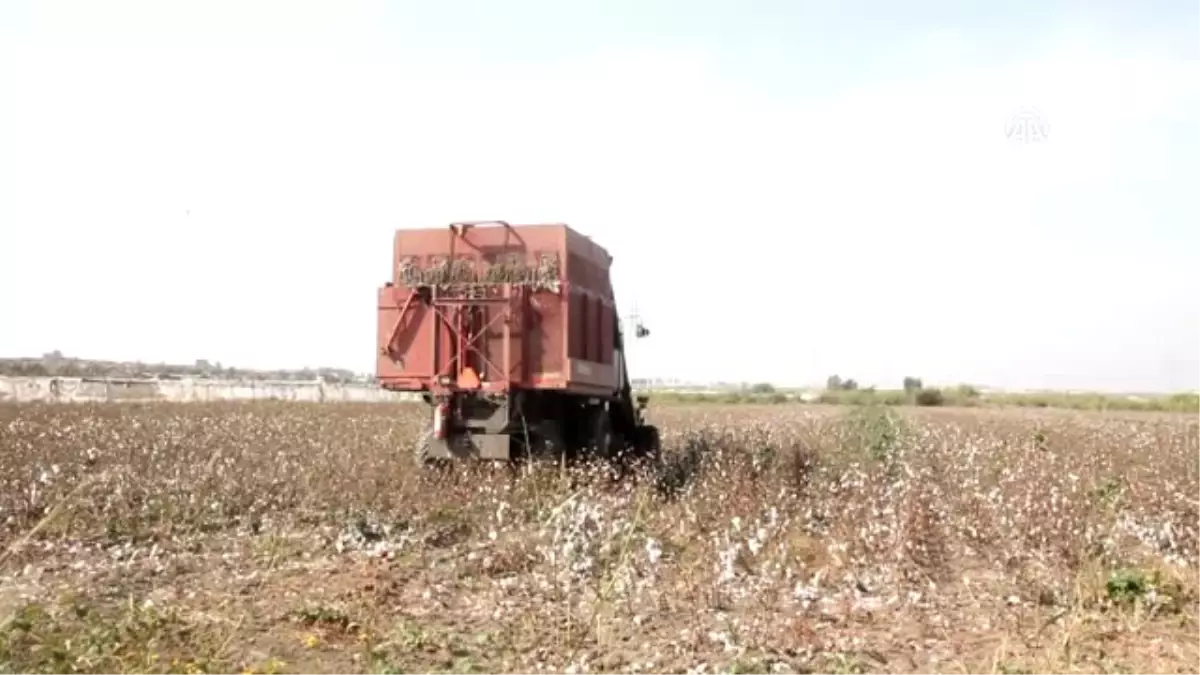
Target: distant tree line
(914, 389)
(54, 364)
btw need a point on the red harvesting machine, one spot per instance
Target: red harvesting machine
(511, 335)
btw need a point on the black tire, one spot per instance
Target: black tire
(549, 440)
(647, 444)
(602, 443)
(421, 455)
(545, 442)
(421, 450)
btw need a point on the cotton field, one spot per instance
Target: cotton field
(289, 537)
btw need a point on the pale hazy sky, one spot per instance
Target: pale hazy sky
(789, 189)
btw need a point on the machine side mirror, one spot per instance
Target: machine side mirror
(642, 400)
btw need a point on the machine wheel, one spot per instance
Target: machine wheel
(421, 451)
(647, 444)
(545, 442)
(421, 454)
(601, 440)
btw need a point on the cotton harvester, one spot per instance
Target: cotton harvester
(511, 335)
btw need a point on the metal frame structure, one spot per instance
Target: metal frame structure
(448, 323)
(458, 315)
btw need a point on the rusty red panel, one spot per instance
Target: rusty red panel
(499, 316)
(402, 336)
(606, 333)
(548, 337)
